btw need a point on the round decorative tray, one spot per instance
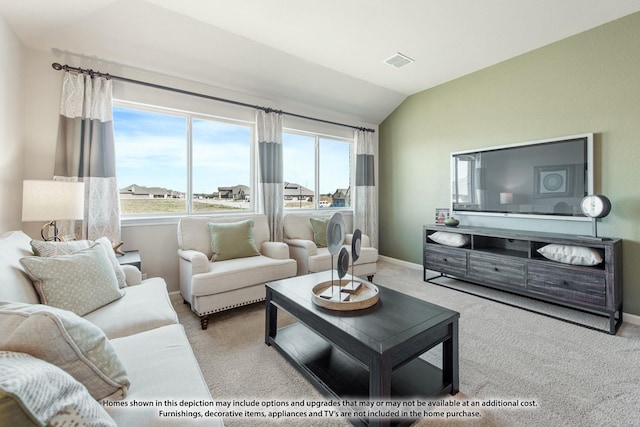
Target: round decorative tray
(343, 297)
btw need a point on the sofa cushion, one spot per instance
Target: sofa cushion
(241, 272)
(16, 284)
(232, 240)
(145, 306)
(66, 340)
(47, 249)
(162, 366)
(319, 227)
(36, 393)
(80, 282)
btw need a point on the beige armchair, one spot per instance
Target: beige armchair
(211, 286)
(298, 234)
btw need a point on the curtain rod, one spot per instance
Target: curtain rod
(57, 66)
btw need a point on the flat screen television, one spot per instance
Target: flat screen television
(546, 178)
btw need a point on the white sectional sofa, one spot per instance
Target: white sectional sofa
(141, 328)
(210, 283)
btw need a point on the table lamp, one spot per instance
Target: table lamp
(51, 201)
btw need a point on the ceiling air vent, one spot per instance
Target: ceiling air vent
(398, 60)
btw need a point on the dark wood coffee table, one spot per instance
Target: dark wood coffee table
(371, 353)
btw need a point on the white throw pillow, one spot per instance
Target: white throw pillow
(66, 340)
(48, 248)
(34, 392)
(576, 255)
(450, 239)
(81, 282)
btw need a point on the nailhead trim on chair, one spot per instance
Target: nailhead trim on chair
(204, 318)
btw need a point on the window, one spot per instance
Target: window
(317, 171)
(170, 162)
(221, 166)
(463, 182)
(335, 172)
(151, 161)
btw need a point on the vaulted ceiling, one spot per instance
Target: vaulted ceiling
(329, 53)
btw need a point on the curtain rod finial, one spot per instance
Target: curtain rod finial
(56, 66)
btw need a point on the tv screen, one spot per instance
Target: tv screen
(548, 178)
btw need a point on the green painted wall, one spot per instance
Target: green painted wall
(586, 83)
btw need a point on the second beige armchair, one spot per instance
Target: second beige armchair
(313, 258)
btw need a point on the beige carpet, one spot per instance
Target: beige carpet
(576, 376)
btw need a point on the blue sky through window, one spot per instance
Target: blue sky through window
(221, 155)
(151, 151)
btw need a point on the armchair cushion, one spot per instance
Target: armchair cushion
(239, 273)
(319, 227)
(232, 240)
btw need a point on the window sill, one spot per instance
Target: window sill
(144, 221)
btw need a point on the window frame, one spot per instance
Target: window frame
(317, 137)
(228, 115)
(173, 217)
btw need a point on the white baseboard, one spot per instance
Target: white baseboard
(631, 318)
(400, 262)
(626, 317)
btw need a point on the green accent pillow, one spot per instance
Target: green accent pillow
(232, 240)
(80, 282)
(319, 226)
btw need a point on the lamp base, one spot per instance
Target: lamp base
(46, 237)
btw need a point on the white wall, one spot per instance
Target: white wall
(157, 242)
(11, 128)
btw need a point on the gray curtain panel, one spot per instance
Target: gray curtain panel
(366, 202)
(269, 132)
(86, 152)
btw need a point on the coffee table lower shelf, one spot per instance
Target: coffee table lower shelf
(370, 355)
(338, 375)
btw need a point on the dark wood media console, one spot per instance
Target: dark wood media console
(508, 260)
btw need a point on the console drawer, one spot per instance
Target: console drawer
(445, 260)
(570, 284)
(497, 270)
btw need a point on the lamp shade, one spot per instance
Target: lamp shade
(52, 200)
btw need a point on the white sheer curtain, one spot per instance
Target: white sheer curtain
(269, 132)
(366, 206)
(86, 152)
